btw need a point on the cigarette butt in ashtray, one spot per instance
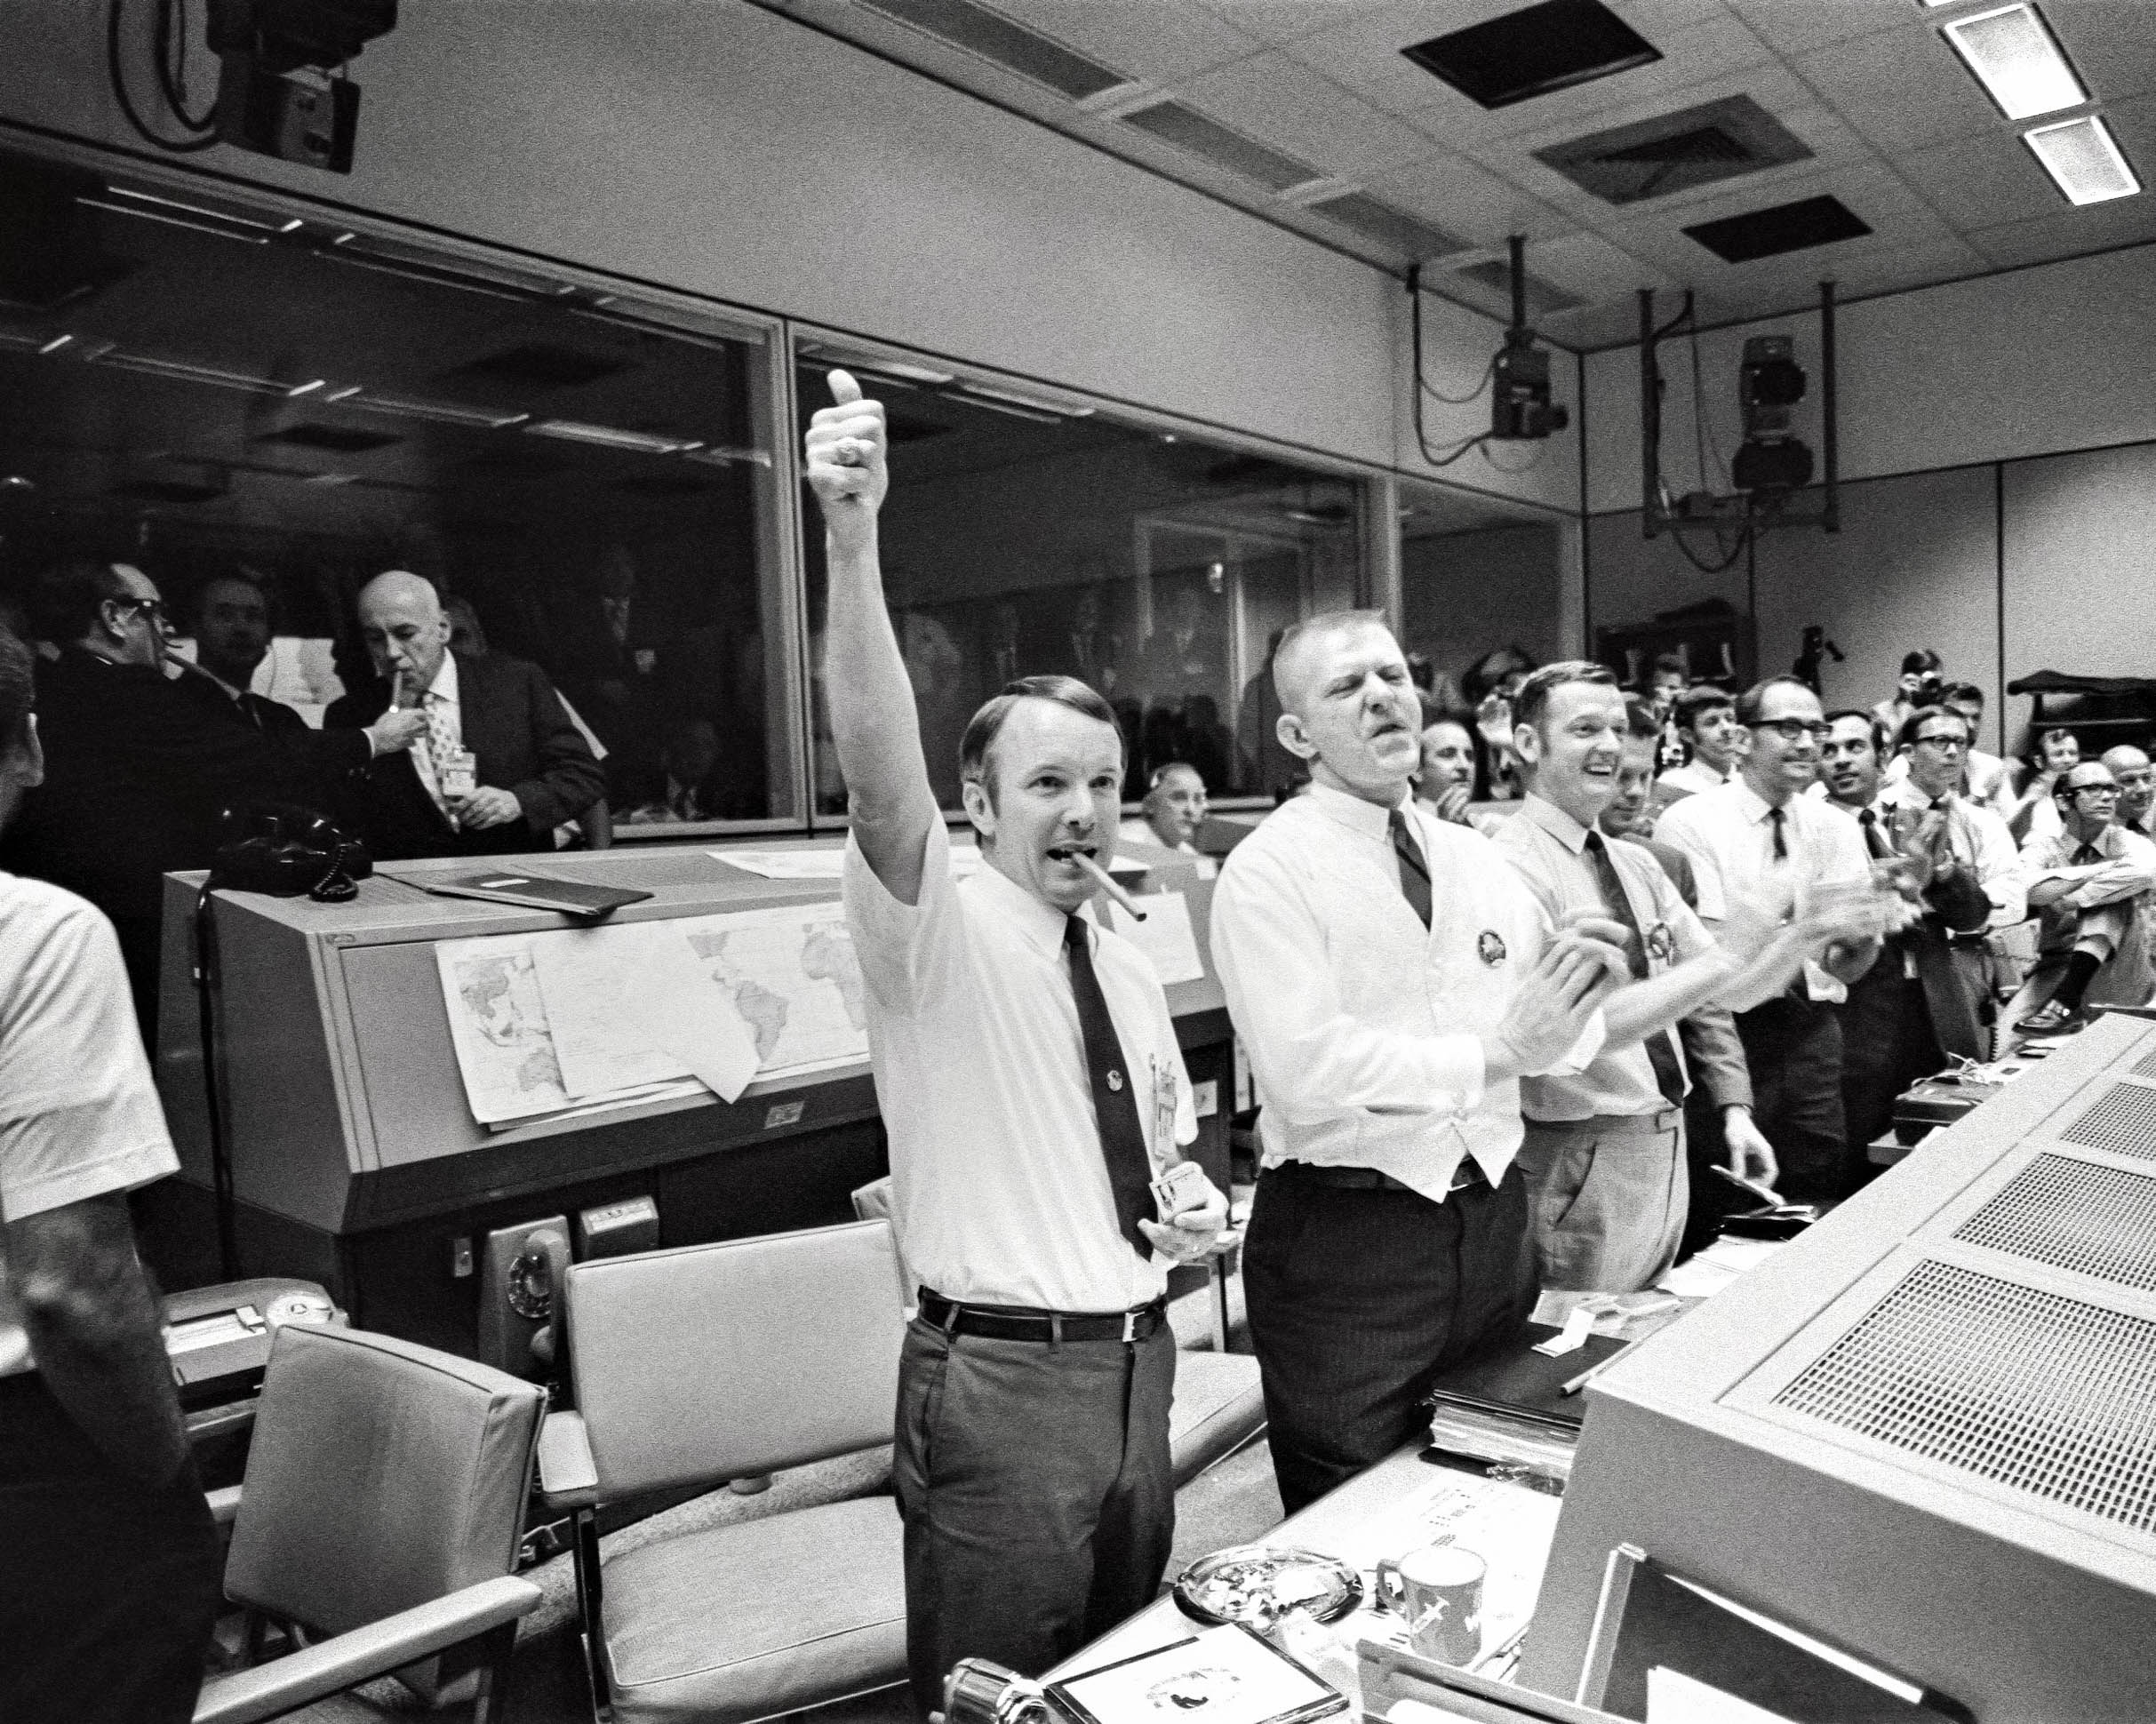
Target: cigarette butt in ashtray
(1108, 885)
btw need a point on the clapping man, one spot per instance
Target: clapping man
(1030, 1082)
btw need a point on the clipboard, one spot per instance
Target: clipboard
(533, 891)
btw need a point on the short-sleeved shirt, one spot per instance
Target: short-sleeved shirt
(1548, 848)
(79, 1116)
(1000, 1191)
(1727, 834)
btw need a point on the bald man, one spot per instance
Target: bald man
(2136, 782)
(498, 764)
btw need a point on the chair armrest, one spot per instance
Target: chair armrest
(329, 1667)
(223, 1503)
(568, 1477)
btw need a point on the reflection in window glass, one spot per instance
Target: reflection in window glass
(590, 487)
(1019, 540)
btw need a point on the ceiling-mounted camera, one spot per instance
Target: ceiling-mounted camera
(281, 89)
(1520, 405)
(1770, 382)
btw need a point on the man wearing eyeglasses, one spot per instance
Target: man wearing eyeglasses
(1754, 833)
(2091, 881)
(1930, 994)
(136, 769)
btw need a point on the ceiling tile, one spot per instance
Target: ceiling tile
(1283, 20)
(1281, 102)
(2064, 230)
(1159, 41)
(1794, 26)
(1591, 267)
(2110, 41)
(1467, 199)
(1982, 182)
(1363, 51)
(1902, 90)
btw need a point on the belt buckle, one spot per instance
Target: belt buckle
(1131, 1325)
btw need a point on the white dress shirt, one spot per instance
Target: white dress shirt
(1981, 843)
(1984, 781)
(1000, 1191)
(1364, 1031)
(1730, 838)
(1693, 776)
(445, 711)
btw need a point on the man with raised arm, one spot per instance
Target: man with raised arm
(1031, 1089)
(1392, 980)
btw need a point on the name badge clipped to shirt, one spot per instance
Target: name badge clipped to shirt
(1163, 1111)
(1489, 947)
(1661, 944)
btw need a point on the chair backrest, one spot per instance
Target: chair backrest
(723, 1361)
(871, 1203)
(382, 1474)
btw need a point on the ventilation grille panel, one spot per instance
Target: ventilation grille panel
(2038, 1392)
(1417, 240)
(2145, 1066)
(2123, 1122)
(1178, 123)
(2094, 1221)
(1785, 228)
(1012, 46)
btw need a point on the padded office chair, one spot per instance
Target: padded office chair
(383, 1502)
(1218, 1405)
(699, 1365)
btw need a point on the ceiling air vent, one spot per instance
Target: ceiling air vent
(1785, 228)
(1012, 46)
(1534, 52)
(1675, 152)
(1495, 275)
(1186, 129)
(1415, 240)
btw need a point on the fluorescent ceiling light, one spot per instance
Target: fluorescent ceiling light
(2016, 59)
(2084, 160)
(720, 455)
(431, 411)
(221, 227)
(181, 371)
(640, 442)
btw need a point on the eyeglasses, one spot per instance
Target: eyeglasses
(1793, 729)
(1942, 740)
(2093, 790)
(154, 609)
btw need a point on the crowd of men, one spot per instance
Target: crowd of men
(1492, 1053)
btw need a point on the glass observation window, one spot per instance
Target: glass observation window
(1027, 532)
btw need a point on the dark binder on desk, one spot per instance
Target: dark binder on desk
(535, 892)
(1651, 1616)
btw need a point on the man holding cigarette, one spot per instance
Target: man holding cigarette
(498, 764)
(1030, 1083)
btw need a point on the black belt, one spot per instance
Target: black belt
(1013, 1322)
(1468, 1173)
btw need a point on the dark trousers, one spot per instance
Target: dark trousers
(1359, 1298)
(1710, 1197)
(1037, 1492)
(1793, 1048)
(1888, 1043)
(108, 1589)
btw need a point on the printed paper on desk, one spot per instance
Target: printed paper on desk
(1165, 936)
(829, 864)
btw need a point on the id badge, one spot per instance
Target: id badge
(1164, 1112)
(459, 771)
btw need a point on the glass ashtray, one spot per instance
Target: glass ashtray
(1258, 1584)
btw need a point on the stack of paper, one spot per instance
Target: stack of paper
(558, 1024)
(1718, 1266)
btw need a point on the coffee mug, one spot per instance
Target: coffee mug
(1437, 1592)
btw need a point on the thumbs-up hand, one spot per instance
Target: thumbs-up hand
(845, 448)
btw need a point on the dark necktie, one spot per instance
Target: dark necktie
(1122, 1135)
(1661, 1053)
(2087, 854)
(1875, 840)
(1414, 871)
(1780, 816)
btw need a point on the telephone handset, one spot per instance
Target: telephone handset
(285, 849)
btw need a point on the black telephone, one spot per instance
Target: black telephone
(286, 850)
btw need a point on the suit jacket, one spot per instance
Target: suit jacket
(258, 712)
(138, 770)
(514, 723)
